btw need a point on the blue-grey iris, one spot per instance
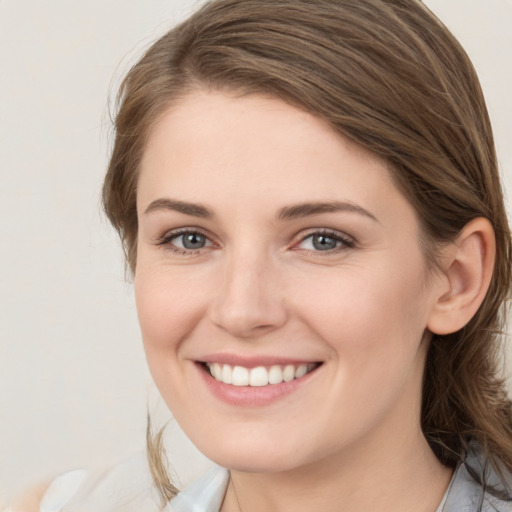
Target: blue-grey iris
(324, 242)
(193, 241)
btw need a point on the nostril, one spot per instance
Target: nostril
(246, 319)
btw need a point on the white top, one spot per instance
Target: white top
(128, 488)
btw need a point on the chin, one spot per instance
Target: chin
(254, 457)
(246, 464)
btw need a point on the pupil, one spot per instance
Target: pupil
(193, 241)
(324, 243)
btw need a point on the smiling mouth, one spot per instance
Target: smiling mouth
(258, 376)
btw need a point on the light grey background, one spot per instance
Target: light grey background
(74, 387)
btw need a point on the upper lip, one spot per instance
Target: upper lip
(253, 361)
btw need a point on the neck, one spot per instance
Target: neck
(395, 477)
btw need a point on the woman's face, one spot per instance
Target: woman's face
(271, 248)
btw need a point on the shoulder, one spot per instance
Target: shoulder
(30, 500)
(61, 490)
(476, 486)
(206, 494)
(127, 486)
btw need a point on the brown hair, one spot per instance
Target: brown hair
(389, 76)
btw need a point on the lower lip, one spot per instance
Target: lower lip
(252, 396)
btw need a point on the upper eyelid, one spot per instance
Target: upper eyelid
(174, 233)
(325, 231)
(169, 235)
(165, 242)
(344, 241)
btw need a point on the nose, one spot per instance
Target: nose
(250, 300)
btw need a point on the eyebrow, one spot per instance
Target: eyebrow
(193, 209)
(296, 211)
(307, 209)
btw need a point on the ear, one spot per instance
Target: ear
(467, 267)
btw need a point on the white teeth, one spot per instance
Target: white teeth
(240, 376)
(258, 376)
(289, 373)
(275, 375)
(217, 371)
(227, 374)
(301, 371)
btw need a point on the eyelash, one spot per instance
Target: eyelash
(166, 241)
(345, 242)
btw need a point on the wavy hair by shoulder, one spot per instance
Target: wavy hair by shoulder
(389, 76)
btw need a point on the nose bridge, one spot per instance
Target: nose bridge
(249, 299)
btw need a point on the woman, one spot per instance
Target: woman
(308, 198)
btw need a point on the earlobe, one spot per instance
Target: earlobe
(467, 272)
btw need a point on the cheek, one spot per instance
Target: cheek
(373, 323)
(368, 315)
(169, 304)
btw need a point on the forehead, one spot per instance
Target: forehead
(252, 140)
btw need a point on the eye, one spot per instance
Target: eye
(190, 241)
(185, 241)
(325, 242)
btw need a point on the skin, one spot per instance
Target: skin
(30, 500)
(350, 434)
